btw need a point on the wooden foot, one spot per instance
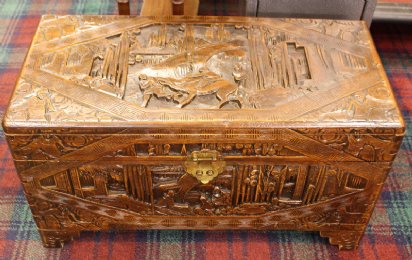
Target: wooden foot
(56, 238)
(345, 240)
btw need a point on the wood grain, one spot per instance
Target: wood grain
(206, 123)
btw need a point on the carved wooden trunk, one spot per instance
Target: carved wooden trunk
(202, 123)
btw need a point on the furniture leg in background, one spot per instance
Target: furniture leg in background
(162, 7)
(124, 7)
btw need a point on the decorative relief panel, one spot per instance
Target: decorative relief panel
(128, 69)
(372, 146)
(239, 190)
(55, 27)
(374, 102)
(227, 149)
(37, 103)
(47, 147)
(201, 66)
(341, 29)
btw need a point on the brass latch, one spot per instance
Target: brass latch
(204, 165)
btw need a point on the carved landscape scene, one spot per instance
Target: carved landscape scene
(129, 70)
(239, 190)
(204, 66)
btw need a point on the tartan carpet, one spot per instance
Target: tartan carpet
(389, 233)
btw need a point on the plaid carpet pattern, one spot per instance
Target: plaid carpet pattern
(389, 233)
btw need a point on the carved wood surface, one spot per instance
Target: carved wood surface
(111, 69)
(202, 123)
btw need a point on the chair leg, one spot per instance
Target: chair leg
(124, 7)
(169, 7)
(156, 8)
(178, 6)
(191, 7)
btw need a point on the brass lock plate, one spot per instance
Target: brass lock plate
(204, 165)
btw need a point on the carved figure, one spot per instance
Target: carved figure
(183, 91)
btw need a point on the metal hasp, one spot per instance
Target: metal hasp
(204, 165)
